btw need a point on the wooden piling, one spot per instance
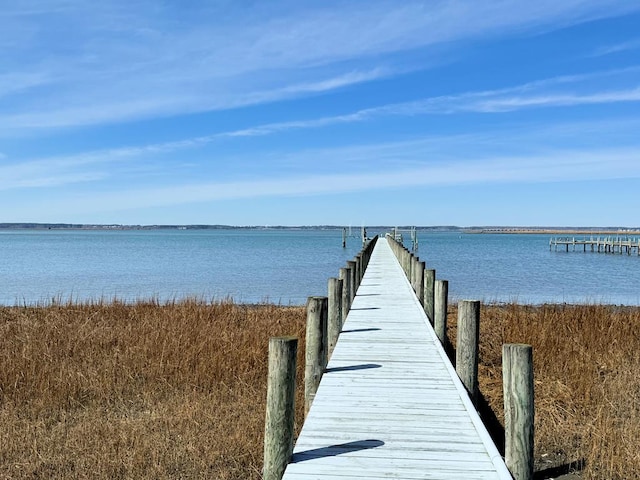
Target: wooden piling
(351, 264)
(345, 276)
(334, 312)
(414, 271)
(280, 415)
(407, 262)
(344, 238)
(467, 345)
(429, 286)
(419, 276)
(441, 292)
(517, 378)
(316, 347)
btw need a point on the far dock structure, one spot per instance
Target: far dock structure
(609, 244)
(390, 404)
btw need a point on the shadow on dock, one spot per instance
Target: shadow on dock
(351, 368)
(335, 450)
(359, 330)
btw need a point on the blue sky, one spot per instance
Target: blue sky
(446, 112)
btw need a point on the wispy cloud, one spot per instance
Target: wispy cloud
(118, 61)
(564, 165)
(546, 93)
(619, 47)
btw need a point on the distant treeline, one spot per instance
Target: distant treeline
(441, 228)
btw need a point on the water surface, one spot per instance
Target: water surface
(287, 266)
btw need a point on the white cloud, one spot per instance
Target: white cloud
(556, 166)
(99, 63)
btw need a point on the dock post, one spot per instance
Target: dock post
(414, 273)
(429, 285)
(334, 312)
(280, 415)
(358, 260)
(441, 292)
(316, 348)
(420, 266)
(517, 375)
(344, 237)
(345, 276)
(467, 345)
(351, 265)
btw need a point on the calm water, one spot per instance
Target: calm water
(288, 266)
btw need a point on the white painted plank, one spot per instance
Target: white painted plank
(388, 405)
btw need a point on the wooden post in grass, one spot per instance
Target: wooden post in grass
(351, 264)
(517, 378)
(335, 312)
(441, 292)
(429, 287)
(467, 345)
(316, 347)
(280, 416)
(345, 276)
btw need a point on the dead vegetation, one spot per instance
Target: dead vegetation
(178, 390)
(587, 387)
(136, 391)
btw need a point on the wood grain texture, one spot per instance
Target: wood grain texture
(517, 373)
(280, 416)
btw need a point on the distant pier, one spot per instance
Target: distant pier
(610, 244)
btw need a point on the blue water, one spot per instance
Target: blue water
(287, 266)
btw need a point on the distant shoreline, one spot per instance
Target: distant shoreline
(554, 231)
(609, 230)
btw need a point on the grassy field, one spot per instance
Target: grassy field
(177, 391)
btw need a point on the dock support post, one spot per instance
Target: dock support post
(419, 276)
(334, 312)
(351, 265)
(344, 238)
(517, 375)
(361, 267)
(345, 276)
(440, 310)
(316, 348)
(467, 345)
(358, 260)
(429, 286)
(280, 415)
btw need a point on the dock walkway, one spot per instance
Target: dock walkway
(619, 244)
(390, 404)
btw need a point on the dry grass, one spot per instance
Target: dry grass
(587, 386)
(178, 391)
(136, 391)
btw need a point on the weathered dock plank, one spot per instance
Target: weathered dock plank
(390, 404)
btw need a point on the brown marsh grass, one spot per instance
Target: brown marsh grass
(178, 390)
(136, 391)
(586, 380)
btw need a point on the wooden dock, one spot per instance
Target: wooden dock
(610, 244)
(390, 404)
